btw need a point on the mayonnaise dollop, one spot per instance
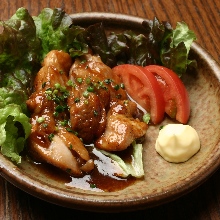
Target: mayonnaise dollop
(177, 142)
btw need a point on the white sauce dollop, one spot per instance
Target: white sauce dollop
(177, 142)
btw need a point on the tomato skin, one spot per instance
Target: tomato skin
(177, 104)
(143, 88)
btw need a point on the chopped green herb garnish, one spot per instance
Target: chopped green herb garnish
(72, 131)
(95, 113)
(77, 100)
(100, 83)
(43, 84)
(63, 89)
(116, 87)
(70, 83)
(83, 61)
(122, 85)
(57, 100)
(90, 89)
(60, 108)
(44, 125)
(48, 92)
(88, 80)
(118, 96)
(161, 127)
(126, 102)
(92, 185)
(79, 80)
(108, 81)
(55, 92)
(146, 118)
(49, 97)
(102, 86)
(40, 119)
(64, 123)
(69, 129)
(55, 114)
(57, 85)
(65, 94)
(86, 94)
(50, 137)
(96, 85)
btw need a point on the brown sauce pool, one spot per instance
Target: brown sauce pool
(102, 179)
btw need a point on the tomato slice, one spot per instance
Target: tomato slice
(177, 104)
(142, 87)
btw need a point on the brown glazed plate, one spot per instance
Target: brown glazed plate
(163, 181)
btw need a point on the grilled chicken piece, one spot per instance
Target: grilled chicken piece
(95, 107)
(58, 154)
(49, 139)
(122, 128)
(88, 118)
(60, 60)
(65, 151)
(57, 62)
(94, 88)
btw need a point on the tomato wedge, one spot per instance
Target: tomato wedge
(177, 104)
(142, 87)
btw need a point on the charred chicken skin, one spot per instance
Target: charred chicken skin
(75, 104)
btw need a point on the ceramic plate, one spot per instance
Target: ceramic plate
(163, 181)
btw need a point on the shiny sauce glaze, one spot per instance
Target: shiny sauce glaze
(102, 179)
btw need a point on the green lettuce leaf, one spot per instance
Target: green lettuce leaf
(10, 96)
(56, 30)
(135, 168)
(11, 140)
(175, 49)
(130, 48)
(158, 44)
(139, 53)
(26, 40)
(139, 49)
(98, 42)
(19, 46)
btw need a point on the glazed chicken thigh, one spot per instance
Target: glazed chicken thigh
(93, 91)
(79, 103)
(96, 115)
(123, 127)
(50, 140)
